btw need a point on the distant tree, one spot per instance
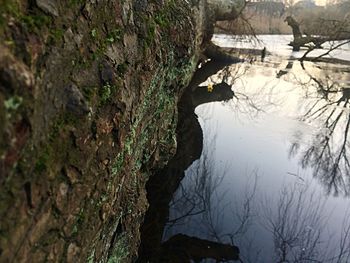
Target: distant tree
(313, 26)
(329, 30)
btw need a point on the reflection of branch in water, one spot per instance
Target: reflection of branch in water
(202, 183)
(199, 188)
(196, 191)
(210, 222)
(259, 102)
(344, 242)
(328, 152)
(250, 105)
(298, 228)
(249, 102)
(297, 222)
(243, 213)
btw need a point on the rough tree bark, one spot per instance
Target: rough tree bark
(88, 90)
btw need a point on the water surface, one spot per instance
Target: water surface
(273, 174)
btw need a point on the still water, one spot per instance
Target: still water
(273, 176)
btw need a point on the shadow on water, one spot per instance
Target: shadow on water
(162, 186)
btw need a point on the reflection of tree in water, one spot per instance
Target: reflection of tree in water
(195, 193)
(197, 209)
(328, 152)
(296, 221)
(298, 226)
(244, 100)
(200, 204)
(203, 187)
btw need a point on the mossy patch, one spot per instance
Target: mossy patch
(115, 35)
(120, 252)
(160, 102)
(32, 21)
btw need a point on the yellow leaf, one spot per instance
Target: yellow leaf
(210, 87)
